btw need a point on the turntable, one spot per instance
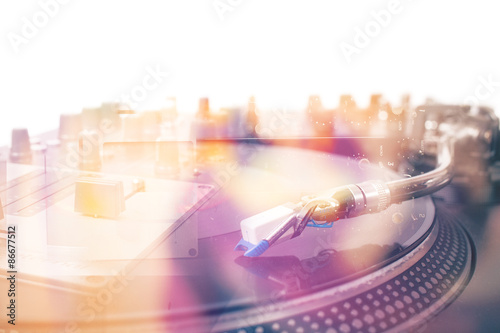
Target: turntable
(325, 220)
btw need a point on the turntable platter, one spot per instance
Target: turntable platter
(377, 272)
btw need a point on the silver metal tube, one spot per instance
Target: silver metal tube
(367, 197)
(427, 183)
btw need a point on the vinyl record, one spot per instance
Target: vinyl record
(392, 270)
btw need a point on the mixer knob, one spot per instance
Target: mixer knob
(314, 108)
(70, 125)
(375, 106)
(89, 151)
(405, 101)
(105, 119)
(321, 118)
(234, 122)
(314, 104)
(91, 118)
(347, 103)
(203, 126)
(169, 113)
(252, 119)
(347, 108)
(203, 108)
(151, 125)
(132, 127)
(20, 151)
(203, 129)
(401, 111)
(109, 113)
(375, 101)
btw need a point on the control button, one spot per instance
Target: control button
(89, 151)
(99, 197)
(20, 150)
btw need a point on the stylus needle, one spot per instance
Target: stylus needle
(339, 203)
(304, 220)
(279, 231)
(297, 221)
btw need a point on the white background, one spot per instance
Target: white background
(280, 51)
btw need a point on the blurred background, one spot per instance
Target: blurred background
(61, 56)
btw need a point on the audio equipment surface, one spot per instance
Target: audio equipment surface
(134, 225)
